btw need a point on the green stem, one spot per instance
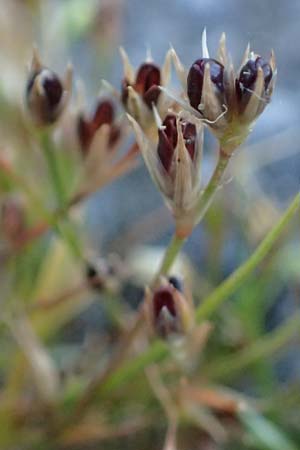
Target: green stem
(204, 201)
(53, 168)
(169, 257)
(259, 349)
(158, 350)
(213, 185)
(63, 229)
(230, 285)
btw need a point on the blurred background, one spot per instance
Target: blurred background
(128, 217)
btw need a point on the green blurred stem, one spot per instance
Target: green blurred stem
(53, 167)
(259, 349)
(170, 256)
(230, 285)
(65, 229)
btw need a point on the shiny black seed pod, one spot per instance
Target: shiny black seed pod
(196, 77)
(248, 73)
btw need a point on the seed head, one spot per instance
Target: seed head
(87, 127)
(46, 94)
(228, 101)
(173, 161)
(140, 89)
(196, 78)
(146, 84)
(168, 311)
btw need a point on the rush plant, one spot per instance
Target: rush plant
(163, 374)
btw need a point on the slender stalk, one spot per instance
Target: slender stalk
(261, 348)
(205, 200)
(158, 350)
(213, 185)
(53, 168)
(65, 230)
(230, 285)
(170, 256)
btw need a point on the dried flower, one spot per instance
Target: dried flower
(173, 161)
(167, 310)
(88, 126)
(100, 137)
(140, 89)
(46, 94)
(228, 102)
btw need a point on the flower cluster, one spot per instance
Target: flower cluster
(169, 133)
(228, 101)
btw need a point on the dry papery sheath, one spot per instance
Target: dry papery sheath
(228, 101)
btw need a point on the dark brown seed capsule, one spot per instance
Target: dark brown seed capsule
(147, 76)
(249, 71)
(168, 138)
(146, 84)
(163, 298)
(53, 90)
(167, 141)
(189, 135)
(44, 104)
(196, 76)
(104, 114)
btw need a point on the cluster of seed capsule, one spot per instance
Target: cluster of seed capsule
(168, 129)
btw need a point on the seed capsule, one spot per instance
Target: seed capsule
(146, 84)
(196, 77)
(168, 139)
(165, 311)
(168, 311)
(248, 74)
(46, 94)
(86, 128)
